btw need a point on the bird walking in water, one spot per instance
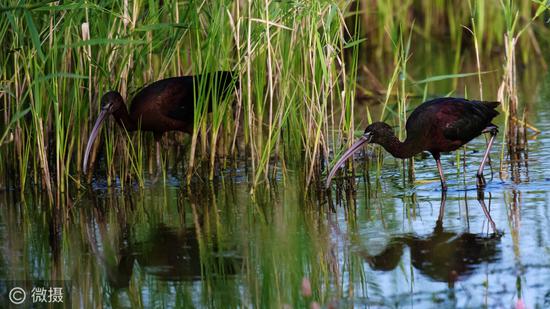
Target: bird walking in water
(165, 105)
(436, 126)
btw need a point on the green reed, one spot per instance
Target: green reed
(517, 26)
(297, 66)
(134, 153)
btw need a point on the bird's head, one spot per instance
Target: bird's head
(111, 103)
(374, 133)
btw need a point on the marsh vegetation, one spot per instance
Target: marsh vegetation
(241, 197)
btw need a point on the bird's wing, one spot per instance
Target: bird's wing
(423, 118)
(183, 104)
(458, 119)
(162, 94)
(175, 97)
(465, 120)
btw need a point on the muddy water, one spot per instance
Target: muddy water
(389, 243)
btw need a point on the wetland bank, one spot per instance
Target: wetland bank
(236, 216)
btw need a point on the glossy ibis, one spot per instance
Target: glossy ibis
(436, 126)
(165, 105)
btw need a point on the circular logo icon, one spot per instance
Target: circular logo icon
(17, 295)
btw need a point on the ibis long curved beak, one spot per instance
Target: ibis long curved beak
(95, 131)
(349, 153)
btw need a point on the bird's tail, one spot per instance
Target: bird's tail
(491, 104)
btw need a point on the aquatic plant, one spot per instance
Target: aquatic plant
(299, 66)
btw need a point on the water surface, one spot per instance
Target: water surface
(389, 242)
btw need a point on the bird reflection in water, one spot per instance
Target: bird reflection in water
(442, 255)
(169, 254)
(165, 252)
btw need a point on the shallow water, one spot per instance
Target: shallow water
(388, 244)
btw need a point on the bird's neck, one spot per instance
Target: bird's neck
(399, 149)
(124, 120)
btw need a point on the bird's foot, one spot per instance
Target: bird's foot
(481, 180)
(492, 129)
(444, 187)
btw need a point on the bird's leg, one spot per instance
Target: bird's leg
(442, 208)
(441, 175)
(158, 140)
(493, 130)
(159, 166)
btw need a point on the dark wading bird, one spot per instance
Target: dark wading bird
(165, 105)
(436, 126)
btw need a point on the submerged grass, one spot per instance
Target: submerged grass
(297, 66)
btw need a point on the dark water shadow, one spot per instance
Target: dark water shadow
(444, 256)
(169, 255)
(181, 253)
